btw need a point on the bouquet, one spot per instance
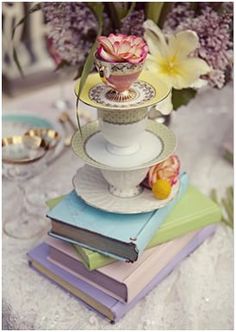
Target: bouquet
(201, 34)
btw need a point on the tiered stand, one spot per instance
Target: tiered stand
(119, 148)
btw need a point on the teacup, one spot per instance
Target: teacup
(122, 129)
(118, 75)
(125, 183)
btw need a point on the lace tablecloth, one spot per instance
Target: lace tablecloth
(197, 295)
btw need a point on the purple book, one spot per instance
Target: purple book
(106, 305)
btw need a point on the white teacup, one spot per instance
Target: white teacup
(125, 183)
(122, 129)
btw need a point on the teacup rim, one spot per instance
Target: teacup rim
(117, 62)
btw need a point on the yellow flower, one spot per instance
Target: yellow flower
(170, 60)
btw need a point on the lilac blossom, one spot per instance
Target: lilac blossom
(133, 24)
(72, 29)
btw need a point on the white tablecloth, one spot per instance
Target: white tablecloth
(197, 295)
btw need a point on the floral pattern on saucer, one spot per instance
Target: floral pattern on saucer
(149, 91)
(143, 92)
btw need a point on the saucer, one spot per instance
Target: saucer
(90, 185)
(156, 144)
(148, 90)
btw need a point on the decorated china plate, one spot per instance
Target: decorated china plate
(90, 185)
(148, 90)
(156, 144)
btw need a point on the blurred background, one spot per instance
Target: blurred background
(30, 41)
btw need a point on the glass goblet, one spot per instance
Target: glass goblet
(22, 159)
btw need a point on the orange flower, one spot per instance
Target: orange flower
(122, 48)
(168, 170)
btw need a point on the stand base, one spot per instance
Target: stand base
(117, 96)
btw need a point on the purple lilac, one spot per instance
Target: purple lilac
(133, 24)
(72, 29)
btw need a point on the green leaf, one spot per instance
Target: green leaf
(226, 204)
(166, 8)
(182, 97)
(15, 58)
(153, 10)
(213, 195)
(133, 4)
(114, 15)
(230, 196)
(97, 9)
(78, 73)
(121, 9)
(228, 209)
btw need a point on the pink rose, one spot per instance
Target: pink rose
(168, 170)
(122, 48)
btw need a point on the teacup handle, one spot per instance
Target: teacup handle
(101, 70)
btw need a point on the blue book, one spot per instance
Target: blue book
(121, 236)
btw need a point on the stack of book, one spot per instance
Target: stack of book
(111, 261)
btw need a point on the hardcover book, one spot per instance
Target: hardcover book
(193, 211)
(105, 304)
(120, 280)
(120, 236)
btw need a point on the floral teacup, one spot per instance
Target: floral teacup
(120, 59)
(118, 75)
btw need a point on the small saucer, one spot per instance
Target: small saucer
(155, 145)
(148, 90)
(90, 185)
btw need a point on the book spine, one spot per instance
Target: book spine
(96, 278)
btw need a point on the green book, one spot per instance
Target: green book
(193, 211)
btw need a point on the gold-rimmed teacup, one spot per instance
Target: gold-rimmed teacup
(119, 76)
(50, 136)
(23, 149)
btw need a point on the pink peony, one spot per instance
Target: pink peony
(168, 170)
(122, 48)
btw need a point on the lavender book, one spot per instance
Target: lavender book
(96, 298)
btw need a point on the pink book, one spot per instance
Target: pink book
(121, 280)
